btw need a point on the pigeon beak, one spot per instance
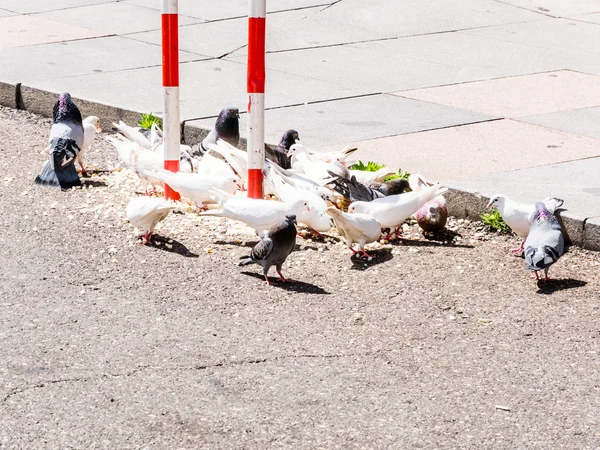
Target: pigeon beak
(98, 129)
(489, 205)
(308, 208)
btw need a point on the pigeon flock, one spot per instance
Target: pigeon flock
(315, 189)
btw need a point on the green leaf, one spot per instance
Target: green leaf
(495, 221)
(400, 174)
(371, 166)
(146, 121)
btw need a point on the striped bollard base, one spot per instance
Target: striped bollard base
(170, 65)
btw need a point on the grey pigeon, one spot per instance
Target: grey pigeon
(227, 128)
(392, 187)
(279, 154)
(545, 242)
(65, 143)
(274, 248)
(353, 190)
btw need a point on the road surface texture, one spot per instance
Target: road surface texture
(443, 343)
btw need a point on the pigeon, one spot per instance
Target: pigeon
(519, 216)
(141, 161)
(353, 190)
(366, 177)
(274, 247)
(65, 143)
(433, 215)
(316, 219)
(144, 213)
(226, 128)
(392, 187)
(326, 157)
(391, 211)
(545, 242)
(360, 228)
(279, 154)
(196, 187)
(256, 213)
(91, 126)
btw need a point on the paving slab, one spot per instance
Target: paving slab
(463, 152)
(5, 13)
(486, 58)
(49, 62)
(356, 21)
(585, 122)
(211, 10)
(521, 96)
(557, 8)
(114, 18)
(343, 121)
(364, 66)
(578, 39)
(591, 18)
(21, 31)
(35, 6)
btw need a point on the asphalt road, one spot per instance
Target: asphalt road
(435, 344)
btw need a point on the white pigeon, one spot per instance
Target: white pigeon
(518, 216)
(256, 213)
(236, 158)
(360, 228)
(133, 134)
(392, 210)
(144, 213)
(196, 187)
(365, 177)
(141, 161)
(91, 126)
(316, 218)
(545, 242)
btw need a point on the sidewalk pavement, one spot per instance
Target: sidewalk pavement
(486, 96)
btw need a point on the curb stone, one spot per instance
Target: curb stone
(461, 203)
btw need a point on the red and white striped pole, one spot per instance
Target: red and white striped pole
(256, 97)
(170, 65)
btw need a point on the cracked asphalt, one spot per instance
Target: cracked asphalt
(434, 344)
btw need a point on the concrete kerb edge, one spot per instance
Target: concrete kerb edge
(470, 205)
(461, 204)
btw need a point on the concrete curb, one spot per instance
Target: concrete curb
(461, 204)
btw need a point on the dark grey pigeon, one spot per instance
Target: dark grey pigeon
(392, 187)
(227, 128)
(545, 242)
(279, 154)
(274, 247)
(66, 139)
(353, 189)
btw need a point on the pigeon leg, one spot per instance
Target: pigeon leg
(519, 248)
(364, 254)
(316, 233)
(281, 277)
(537, 277)
(398, 233)
(145, 238)
(354, 252)
(267, 279)
(546, 278)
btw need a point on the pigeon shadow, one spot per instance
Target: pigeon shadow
(94, 183)
(428, 243)
(381, 256)
(292, 285)
(237, 244)
(554, 285)
(171, 245)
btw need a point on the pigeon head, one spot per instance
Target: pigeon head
(93, 120)
(397, 186)
(541, 212)
(65, 109)
(228, 125)
(291, 219)
(289, 138)
(496, 200)
(356, 207)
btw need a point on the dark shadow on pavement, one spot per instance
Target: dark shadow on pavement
(381, 256)
(292, 285)
(553, 285)
(94, 183)
(431, 243)
(171, 245)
